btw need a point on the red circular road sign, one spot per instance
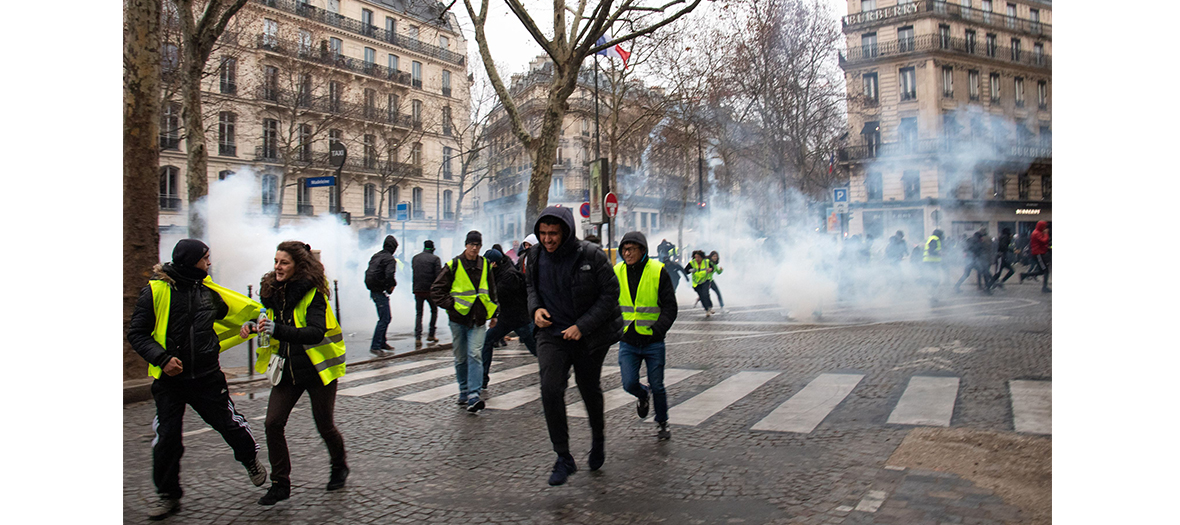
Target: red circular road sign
(611, 205)
(585, 210)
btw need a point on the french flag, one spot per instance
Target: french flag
(613, 52)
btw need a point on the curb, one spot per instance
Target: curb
(136, 390)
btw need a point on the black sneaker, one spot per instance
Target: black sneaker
(336, 480)
(476, 405)
(275, 494)
(643, 404)
(462, 401)
(664, 434)
(257, 472)
(597, 455)
(163, 507)
(387, 347)
(1022, 278)
(562, 470)
(1046, 290)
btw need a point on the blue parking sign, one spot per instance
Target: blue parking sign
(839, 194)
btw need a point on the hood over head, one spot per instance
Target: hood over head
(1041, 225)
(390, 244)
(566, 219)
(531, 239)
(635, 237)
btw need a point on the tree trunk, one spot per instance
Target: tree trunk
(198, 155)
(141, 159)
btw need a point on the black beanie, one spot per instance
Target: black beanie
(474, 237)
(187, 252)
(493, 255)
(428, 245)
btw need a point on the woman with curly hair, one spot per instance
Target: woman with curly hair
(310, 355)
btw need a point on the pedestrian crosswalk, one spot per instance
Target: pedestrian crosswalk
(927, 400)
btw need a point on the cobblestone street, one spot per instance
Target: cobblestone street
(790, 447)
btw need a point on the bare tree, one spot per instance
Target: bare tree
(473, 146)
(575, 36)
(141, 154)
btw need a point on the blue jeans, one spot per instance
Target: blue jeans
(630, 356)
(498, 332)
(382, 301)
(467, 342)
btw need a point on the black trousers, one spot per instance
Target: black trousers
(713, 286)
(1001, 264)
(418, 300)
(703, 293)
(555, 356)
(209, 396)
(278, 409)
(981, 270)
(1040, 265)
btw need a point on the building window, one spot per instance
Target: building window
(229, 75)
(446, 120)
(416, 112)
(1023, 184)
(867, 5)
(987, 10)
(950, 127)
(169, 188)
(370, 152)
(270, 139)
(999, 186)
(448, 206)
(973, 85)
(392, 108)
(969, 41)
(873, 190)
(1016, 50)
(868, 45)
(270, 32)
(335, 136)
(1034, 15)
(226, 145)
(907, 131)
(948, 82)
(944, 36)
(367, 21)
(224, 174)
(419, 212)
(1011, 21)
(870, 87)
(305, 142)
(336, 46)
(1039, 54)
(909, 90)
(304, 42)
(370, 58)
(991, 45)
(872, 135)
(390, 29)
(978, 185)
(393, 63)
(1046, 187)
(1046, 137)
(370, 199)
(303, 198)
(170, 126)
(334, 95)
(446, 162)
(1018, 91)
(444, 42)
(394, 198)
(270, 83)
(905, 39)
(370, 99)
(416, 73)
(413, 32)
(303, 91)
(270, 193)
(416, 155)
(995, 87)
(911, 185)
(333, 205)
(446, 83)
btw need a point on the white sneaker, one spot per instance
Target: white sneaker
(162, 508)
(257, 473)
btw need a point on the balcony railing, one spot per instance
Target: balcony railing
(927, 43)
(945, 10)
(169, 203)
(370, 211)
(330, 58)
(227, 150)
(169, 142)
(352, 164)
(446, 91)
(355, 26)
(1029, 149)
(305, 209)
(325, 104)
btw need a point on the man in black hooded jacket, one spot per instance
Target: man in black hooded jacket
(574, 302)
(380, 279)
(189, 370)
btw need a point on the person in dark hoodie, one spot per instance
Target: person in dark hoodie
(1003, 257)
(513, 314)
(1038, 247)
(176, 327)
(426, 266)
(311, 346)
(574, 301)
(648, 302)
(975, 256)
(380, 279)
(466, 288)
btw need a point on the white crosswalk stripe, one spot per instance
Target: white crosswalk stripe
(927, 401)
(377, 372)
(445, 391)
(1032, 406)
(532, 392)
(807, 409)
(618, 397)
(389, 384)
(704, 405)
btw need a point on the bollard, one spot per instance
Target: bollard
(336, 292)
(250, 343)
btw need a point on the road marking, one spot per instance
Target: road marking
(377, 372)
(807, 409)
(1032, 406)
(704, 405)
(926, 401)
(381, 386)
(619, 398)
(510, 353)
(872, 501)
(209, 429)
(714, 332)
(445, 391)
(524, 395)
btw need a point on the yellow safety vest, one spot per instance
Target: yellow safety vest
(327, 356)
(241, 310)
(926, 257)
(644, 310)
(464, 293)
(700, 273)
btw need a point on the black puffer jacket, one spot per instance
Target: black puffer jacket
(512, 293)
(382, 272)
(426, 266)
(292, 341)
(591, 282)
(191, 337)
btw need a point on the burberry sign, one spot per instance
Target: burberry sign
(907, 8)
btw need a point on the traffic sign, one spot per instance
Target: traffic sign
(403, 211)
(585, 210)
(337, 153)
(316, 182)
(611, 205)
(840, 195)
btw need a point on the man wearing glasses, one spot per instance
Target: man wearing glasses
(466, 288)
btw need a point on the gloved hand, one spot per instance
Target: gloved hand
(267, 326)
(247, 329)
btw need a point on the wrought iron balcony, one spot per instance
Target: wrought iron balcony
(901, 11)
(330, 58)
(355, 26)
(227, 150)
(169, 203)
(927, 43)
(1029, 149)
(168, 141)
